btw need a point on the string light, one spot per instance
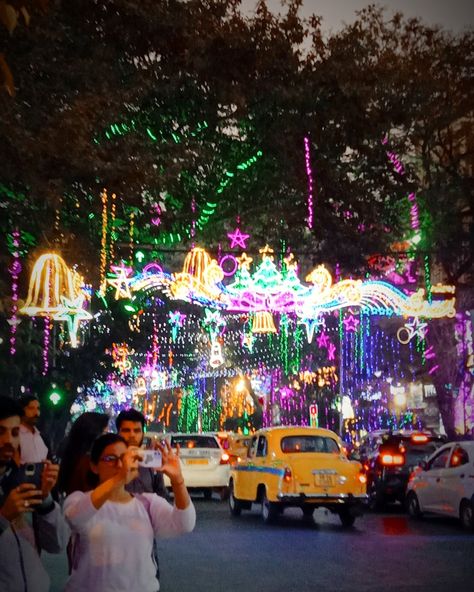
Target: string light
(15, 271)
(309, 174)
(112, 228)
(103, 244)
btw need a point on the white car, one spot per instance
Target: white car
(444, 484)
(204, 463)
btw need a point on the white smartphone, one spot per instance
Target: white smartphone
(151, 459)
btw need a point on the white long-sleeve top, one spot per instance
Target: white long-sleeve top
(115, 543)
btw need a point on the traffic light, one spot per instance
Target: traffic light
(55, 396)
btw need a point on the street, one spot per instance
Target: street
(383, 552)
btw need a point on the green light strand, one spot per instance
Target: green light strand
(283, 337)
(429, 296)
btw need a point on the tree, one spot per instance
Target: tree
(203, 110)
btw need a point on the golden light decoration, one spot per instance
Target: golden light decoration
(51, 280)
(263, 322)
(196, 263)
(200, 274)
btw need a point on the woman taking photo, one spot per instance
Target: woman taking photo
(115, 530)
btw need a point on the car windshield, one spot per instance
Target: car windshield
(292, 444)
(414, 453)
(190, 441)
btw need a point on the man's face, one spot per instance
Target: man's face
(131, 432)
(31, 413)
(9, 438)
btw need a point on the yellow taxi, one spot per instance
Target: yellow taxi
(301, 467)
(238, 446)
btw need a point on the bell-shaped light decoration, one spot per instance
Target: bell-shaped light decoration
(50, 281)
(196, 263)
(263, 323)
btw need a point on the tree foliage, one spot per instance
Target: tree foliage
(170, 102)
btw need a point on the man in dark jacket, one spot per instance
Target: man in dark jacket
(29, 518)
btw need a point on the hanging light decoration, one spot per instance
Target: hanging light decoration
(263, 322)
(50, 280)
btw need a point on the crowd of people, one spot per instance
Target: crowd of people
(99, 502)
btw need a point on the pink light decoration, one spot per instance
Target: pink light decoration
(46, 345)
(309, 174)
(238, 238)
(351, 323)
(331, 351)
(228, 271)
(14, 270)
(323, 340)
(433, 369)
(415, 221)
(152, 268)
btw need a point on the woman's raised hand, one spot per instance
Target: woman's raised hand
(129, 464)
(171, 465)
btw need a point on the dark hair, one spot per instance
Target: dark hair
(130, 415)
(25, 400)
(9, 408)
(83, 432)
(101, 443)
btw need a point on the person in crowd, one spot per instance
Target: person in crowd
(74, 472)
(32, 446)
(29, 518)
(131, 426)
(116, 529)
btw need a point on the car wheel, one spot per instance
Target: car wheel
(376, 501)
(466, 515)
(224, 493)
(207, 494)
(308, 514)
(413, 505)
(269, 510)
(347, 517)
(235, 505)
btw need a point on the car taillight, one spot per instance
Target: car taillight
(392, 459)
(224, 459)
(287, 476)
(419, 438)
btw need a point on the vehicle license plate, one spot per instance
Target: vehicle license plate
(197, 461)
(323, 480)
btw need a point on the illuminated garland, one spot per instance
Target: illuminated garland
(270, 290)
(103, 243)
(15, 271)
(309, 174)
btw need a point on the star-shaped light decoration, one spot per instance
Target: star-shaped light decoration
(331, 351)
(311, 325)
(267, 252)
(238, 239)
(248, 340)
(121, 282)
(73, 313)
(323, 340)
(411, 329)
(351, 323)
(176, 320)
(244, 261)
(291, 262)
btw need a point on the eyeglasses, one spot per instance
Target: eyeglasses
(111, 459)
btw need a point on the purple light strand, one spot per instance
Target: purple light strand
(309, 174)
(46, 345)
(399, 168)
(15, 270)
